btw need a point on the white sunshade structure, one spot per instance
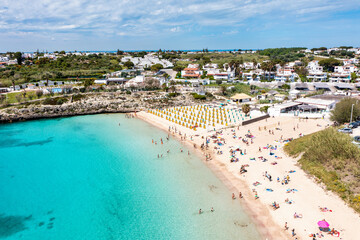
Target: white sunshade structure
(321, 85)
(343, 86)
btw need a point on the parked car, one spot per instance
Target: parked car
(356, 141)
(354, 124)
(345, 130)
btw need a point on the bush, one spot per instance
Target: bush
(39, 93)
(264, 109)
(199, 97)
(173, 94)
(342, 111)
(77, 97)
(55, 101)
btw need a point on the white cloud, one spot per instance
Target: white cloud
(175, 29)
(146, 18)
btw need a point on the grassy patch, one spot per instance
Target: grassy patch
(333, 159)
(15, 97)
(55, 101)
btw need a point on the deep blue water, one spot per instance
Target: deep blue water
(88, 178)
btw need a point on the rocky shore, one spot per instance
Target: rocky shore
(86, 104)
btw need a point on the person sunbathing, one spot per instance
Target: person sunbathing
(297, 215)
(275, 205)
(325, 209)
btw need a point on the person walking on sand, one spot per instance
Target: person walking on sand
(240, 195)
(286, 226)
(293, 232)
(233, 196)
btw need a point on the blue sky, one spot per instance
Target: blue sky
(27, 25)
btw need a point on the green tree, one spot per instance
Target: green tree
(2, 98)
(14, 79)
(47, 76)
(129, 64)
(342, 110)
(18, 56)
(218, 82)
(254, 76)
(156, 67)
(285, 87)
(353, 77)
(245, 109)
(329, 64)
(88, 82)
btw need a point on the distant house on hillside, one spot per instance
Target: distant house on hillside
(192, 71)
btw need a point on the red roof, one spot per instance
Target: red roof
(191, 69)
(191, 75)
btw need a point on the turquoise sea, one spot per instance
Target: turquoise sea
(88, 178)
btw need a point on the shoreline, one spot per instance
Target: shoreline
(258, 214)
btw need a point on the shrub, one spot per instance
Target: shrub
(264, 109)
(198, 96)
(342, 110)
(77, 97)
(55, 101)
(173, 94)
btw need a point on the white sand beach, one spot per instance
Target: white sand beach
(305, 195)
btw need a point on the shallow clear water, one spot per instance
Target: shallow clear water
(88, 178)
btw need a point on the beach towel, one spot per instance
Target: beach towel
(269, 190)
(252, 159)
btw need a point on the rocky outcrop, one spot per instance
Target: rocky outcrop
(91, 104)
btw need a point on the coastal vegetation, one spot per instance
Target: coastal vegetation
(69, 67)
(333, 159)
(219, 58)
(342, 110)
(283, 54)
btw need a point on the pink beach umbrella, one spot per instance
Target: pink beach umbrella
(323, 224)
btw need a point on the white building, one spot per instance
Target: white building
(340, 77)
(147, 61)
(348, 68)
(283, 75)
(316, 73)
(211, 67)
(192, 71)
